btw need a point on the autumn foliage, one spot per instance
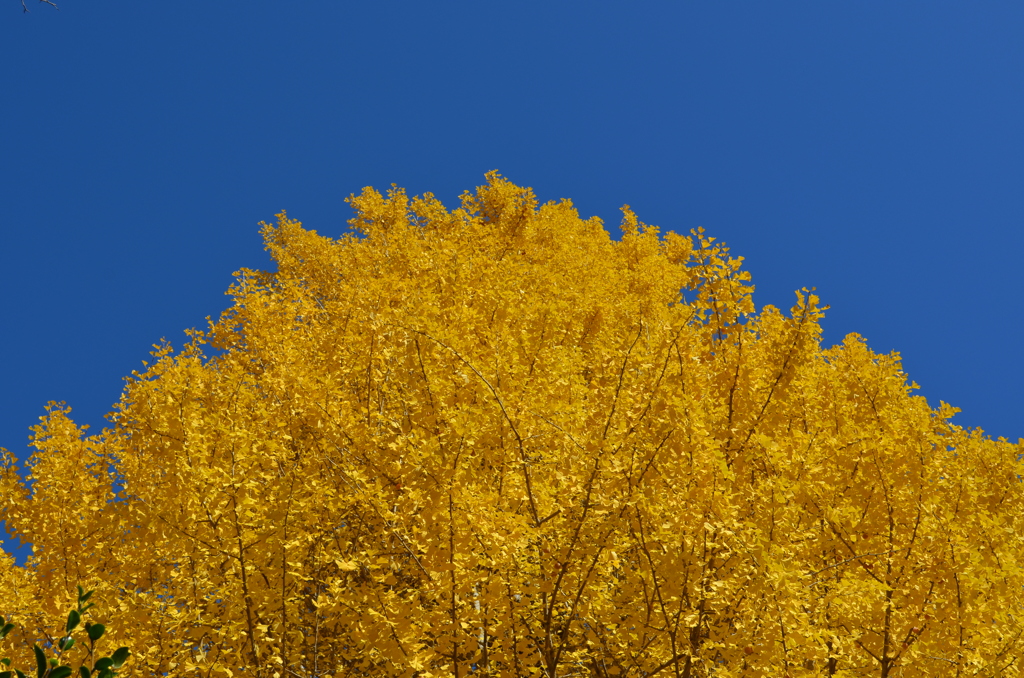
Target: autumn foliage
(493, 441)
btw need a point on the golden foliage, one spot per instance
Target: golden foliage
(494, 441)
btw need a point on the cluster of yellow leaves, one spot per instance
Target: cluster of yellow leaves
(492, 441)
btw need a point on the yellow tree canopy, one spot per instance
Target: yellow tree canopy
(493, 441)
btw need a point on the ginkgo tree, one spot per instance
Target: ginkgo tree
(493, 441)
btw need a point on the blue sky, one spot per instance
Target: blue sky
(874, 150)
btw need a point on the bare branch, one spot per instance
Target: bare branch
(24, 7)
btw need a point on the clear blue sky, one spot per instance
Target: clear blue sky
(872, 149)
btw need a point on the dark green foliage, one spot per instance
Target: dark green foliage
(104, 667)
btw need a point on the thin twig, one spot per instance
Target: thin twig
(24, 7)
(848, 560)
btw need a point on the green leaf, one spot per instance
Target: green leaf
(73, 620)
(66, 643)
(6, 674)
(95, 631)
(6, 661)
(20, 674)
(103, 664)
(40, 661)
(119, 656)
(84, 671)
(6, 629)
(61, 672)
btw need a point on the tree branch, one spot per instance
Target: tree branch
(24, 7)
